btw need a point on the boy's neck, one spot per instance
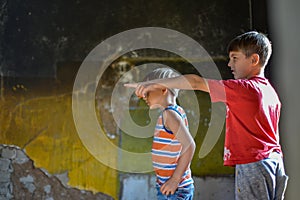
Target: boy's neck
(259, 73)
(168, 102)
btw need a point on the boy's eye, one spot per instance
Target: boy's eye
(234, 58)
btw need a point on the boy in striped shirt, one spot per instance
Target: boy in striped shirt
(173, 146)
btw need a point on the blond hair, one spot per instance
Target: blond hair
(161, 73)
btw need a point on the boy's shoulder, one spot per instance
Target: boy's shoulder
(251, 82)
(254, 85)
(175, 108)
(174, 112)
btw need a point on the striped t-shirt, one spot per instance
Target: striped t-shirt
(166, 150)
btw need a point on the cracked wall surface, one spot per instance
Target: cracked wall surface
(20, 179)
(43, 126)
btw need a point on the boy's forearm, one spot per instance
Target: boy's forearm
(184, 82)
(183, 162)
(196, 82)
(170, 186)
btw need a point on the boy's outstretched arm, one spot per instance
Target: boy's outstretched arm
(184, 82)
(175, 123)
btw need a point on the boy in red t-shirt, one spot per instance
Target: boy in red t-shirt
(253, 111)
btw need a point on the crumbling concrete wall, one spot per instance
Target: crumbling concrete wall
(19, 179)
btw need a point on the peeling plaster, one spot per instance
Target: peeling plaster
(21, 180)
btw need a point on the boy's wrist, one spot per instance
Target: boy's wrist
(176, 179)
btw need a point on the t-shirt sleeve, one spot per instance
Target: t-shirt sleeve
(230, 90)
(217, 90)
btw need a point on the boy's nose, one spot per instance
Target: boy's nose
(229, 64)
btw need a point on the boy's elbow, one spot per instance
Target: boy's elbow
(193, 146)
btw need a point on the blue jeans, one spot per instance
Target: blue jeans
(185, 193)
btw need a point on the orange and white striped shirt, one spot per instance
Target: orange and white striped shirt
(166, 150)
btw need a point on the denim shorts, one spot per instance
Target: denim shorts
(182, 193)
(262, 180)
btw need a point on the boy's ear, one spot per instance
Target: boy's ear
(255, 59)
(164, 90)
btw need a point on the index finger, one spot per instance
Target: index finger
(131, 85)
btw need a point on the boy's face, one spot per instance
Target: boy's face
(240, 65)
(154, 98)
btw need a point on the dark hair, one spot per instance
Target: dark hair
(250, 43)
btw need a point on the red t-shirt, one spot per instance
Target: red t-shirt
(253, 110)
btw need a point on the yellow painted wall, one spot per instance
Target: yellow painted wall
(41, 122)
(36, 115)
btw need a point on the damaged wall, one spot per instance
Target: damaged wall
(20, 179)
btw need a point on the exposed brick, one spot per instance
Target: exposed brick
(20, 157)
(4, 176)
(19, 179)
(5, 188)
(8, 152)
(5, 164)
